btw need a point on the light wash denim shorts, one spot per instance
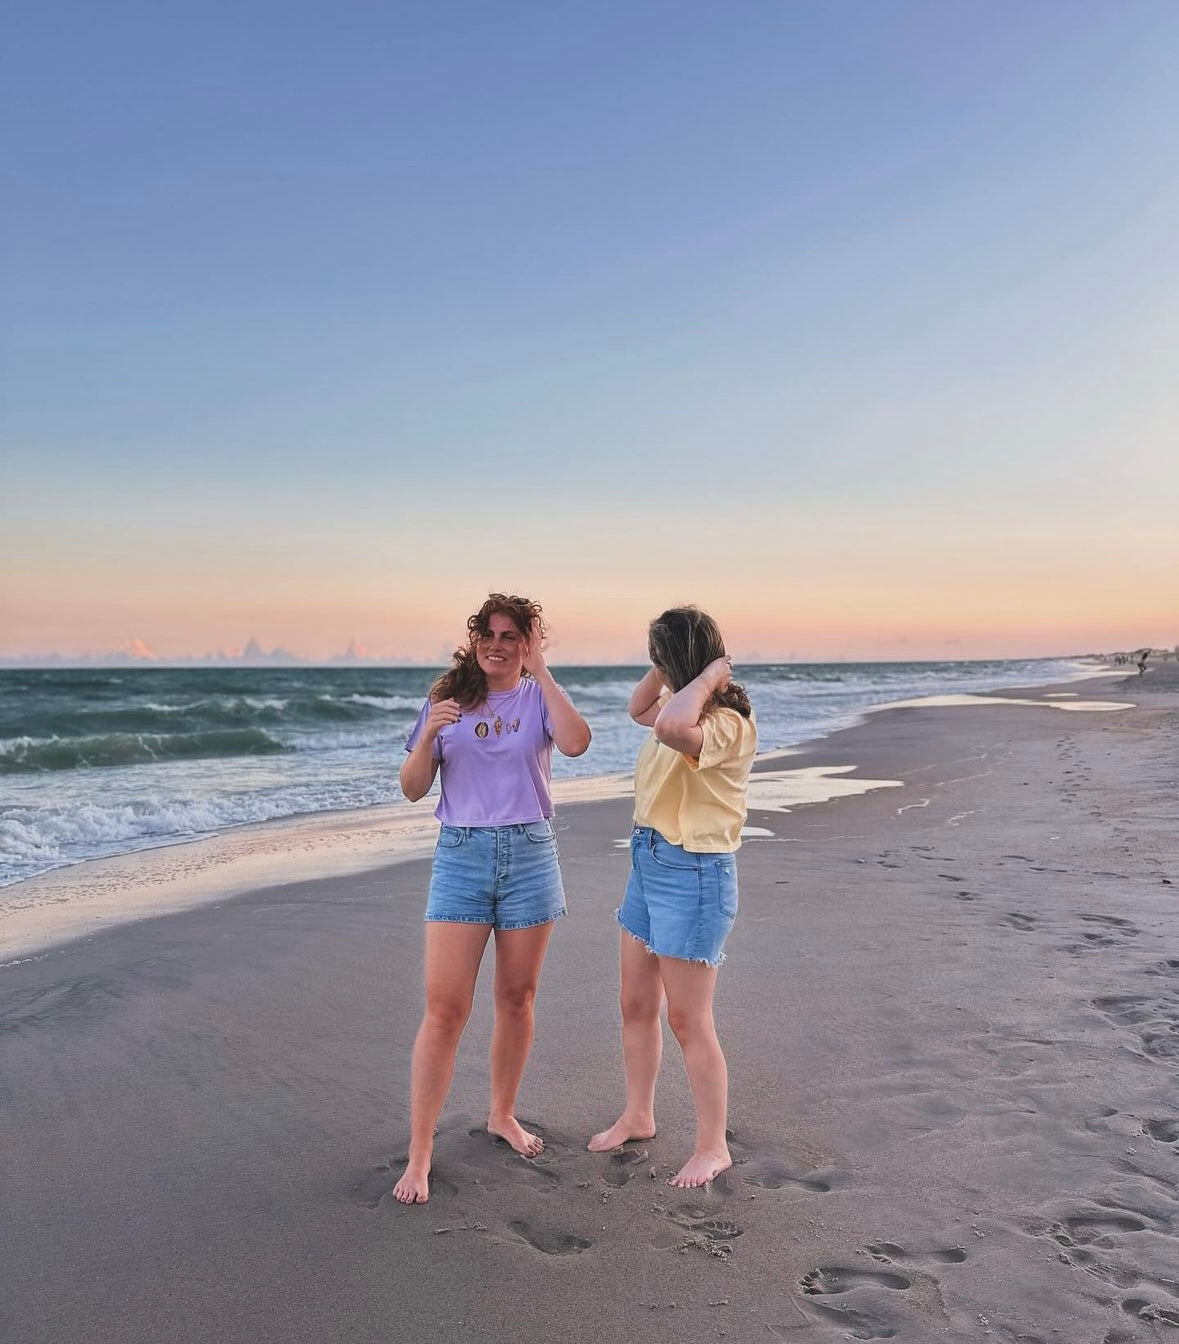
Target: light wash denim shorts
(505, 876)
(677, 903)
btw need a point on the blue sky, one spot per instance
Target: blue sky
(854, 320)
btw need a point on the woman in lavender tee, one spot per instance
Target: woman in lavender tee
(488, 729)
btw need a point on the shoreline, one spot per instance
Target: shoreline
(91, 896)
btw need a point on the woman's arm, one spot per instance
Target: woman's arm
(677, 724)
(419, 767)
(644, 699)
(571, 734)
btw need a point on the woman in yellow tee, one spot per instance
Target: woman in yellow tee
(681, 898)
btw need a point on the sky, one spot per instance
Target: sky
(855, 322)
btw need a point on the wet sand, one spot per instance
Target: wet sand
(951, 1010)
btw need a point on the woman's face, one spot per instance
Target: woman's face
(500, 652)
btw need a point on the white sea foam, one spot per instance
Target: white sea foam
(382, 701)
(948, 701)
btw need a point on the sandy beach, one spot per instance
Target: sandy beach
(950, 1007)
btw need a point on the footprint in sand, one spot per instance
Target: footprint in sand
(495, 1161)
(1163, 1130)
(702, 1229)
(622, 1166)
(1016, 920)
(828, 1280)
(1150, 1311)
(1110, 1120)
(1113, 922)
(550, 1240)
(697, 1218)
(888, 1251)
(1154, 1020)
(1084, 1229)
(832, 1280)
(773, 1175)
(758, 1164)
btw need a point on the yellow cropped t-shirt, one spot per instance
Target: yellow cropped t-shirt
(698, 802)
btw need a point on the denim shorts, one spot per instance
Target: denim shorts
(505, 876)
(677, 903)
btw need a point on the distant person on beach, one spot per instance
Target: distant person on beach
(681, 899)
(488, 728)
(1142, 657)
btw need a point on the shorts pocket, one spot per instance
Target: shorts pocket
(726, 877)
(540, 832)
(667, 855)
(450, 837)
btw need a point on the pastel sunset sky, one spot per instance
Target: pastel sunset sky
(856, 322)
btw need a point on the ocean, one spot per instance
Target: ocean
(98, 762)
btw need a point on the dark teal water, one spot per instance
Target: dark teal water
(96, 762)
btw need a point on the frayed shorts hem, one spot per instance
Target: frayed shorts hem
(654, 951)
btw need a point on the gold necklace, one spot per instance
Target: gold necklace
(483, 729)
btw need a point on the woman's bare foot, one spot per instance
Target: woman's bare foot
(511, 1131)
(622, 1131)
(414, 1186)
(701, 1168)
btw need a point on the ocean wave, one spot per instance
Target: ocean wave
(36, 840)
(357, 708)
(599, 690)
(23, 755)
(386, 701)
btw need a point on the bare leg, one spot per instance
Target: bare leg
(453, 954)
(518, 957)
(642, 1045)
(689, 986)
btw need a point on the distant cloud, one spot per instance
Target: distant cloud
(137, 650)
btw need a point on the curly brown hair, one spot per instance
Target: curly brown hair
(465, 681)
(682, 642)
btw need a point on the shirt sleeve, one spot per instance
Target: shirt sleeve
(724, 738)
(415, 733)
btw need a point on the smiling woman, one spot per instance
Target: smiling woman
(488, 728)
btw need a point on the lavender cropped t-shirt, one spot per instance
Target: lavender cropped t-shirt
(495, 763)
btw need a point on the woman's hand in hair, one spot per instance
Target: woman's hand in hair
(677, 725)
(717, 675)
(534, 660)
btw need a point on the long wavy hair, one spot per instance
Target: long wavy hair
(465, 681)
(682, 642)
